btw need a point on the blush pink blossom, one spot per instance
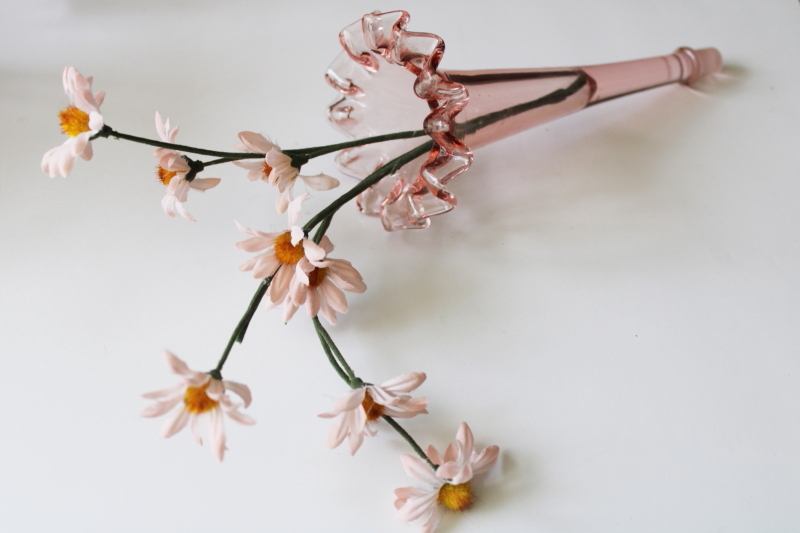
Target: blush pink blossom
(357, 411)
(79, 121)
(276, 169)
(198, 396)
(448, 486)
(171, 171)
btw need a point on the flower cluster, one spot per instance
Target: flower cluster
(303, 274)
(296, 271)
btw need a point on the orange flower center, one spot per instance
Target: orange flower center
(456, 497)
(316, 277)
(73, 121)
(164, 175)
(374, 410)
(266, 170)
(197, 401)
(286, 252)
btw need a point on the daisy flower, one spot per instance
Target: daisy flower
(450, 487)
(199, 396)
(276, 169)
(281, 252)
(319, 286)
(79, 121)
(357, 411)
(171, 171)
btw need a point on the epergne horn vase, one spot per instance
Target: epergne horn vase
(388, 80)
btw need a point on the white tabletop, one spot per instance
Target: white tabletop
(614, 302)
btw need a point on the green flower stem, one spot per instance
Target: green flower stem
(241, 327)
(389, 168)
(555, 97)
(322, 150)
(323, 227)
(107, 131)
(324, 335)
(326, 347)
(397, 427)
(222, 160)
(302, 154)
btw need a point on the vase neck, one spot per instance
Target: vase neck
(505, 102)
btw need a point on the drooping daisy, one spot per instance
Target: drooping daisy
(200, 397)
(276, 169)
(171, 171)
(281, 252)
(450, 487)
(79, 121)
(357, 411)
(319, 286)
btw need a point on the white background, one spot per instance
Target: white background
(614, 303)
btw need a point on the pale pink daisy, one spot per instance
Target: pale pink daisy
(200, 396)
(450, 487)
(276, 169)
(79, 121)
(171, 171)
(280, 252)
(319, 286)
(357, 411)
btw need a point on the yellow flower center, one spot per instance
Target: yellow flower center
(286, 252)
(316, 277)
(197, 401)
(455, 497)
(374, 410)
(73, 121)
(164, 175)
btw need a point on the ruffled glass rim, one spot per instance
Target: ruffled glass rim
(407, 199)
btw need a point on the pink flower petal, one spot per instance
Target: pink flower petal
(486, 460)
(350, 400)
(160, 408)
(416, 506)
(419, 469)
(242, 390)
(176, 365)
(433, 455)
(333, 295)
(465, 441)
(320, 182)
(216, 433)
(338, 431)
(405, 382)
(175, 423)
(163, 393)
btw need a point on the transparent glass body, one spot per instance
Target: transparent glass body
(388, 81)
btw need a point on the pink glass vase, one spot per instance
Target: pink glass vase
(389, 82)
